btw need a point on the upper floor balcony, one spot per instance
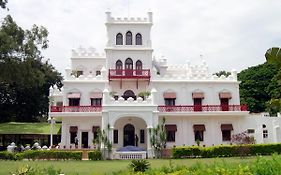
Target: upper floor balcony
(202, 108)
(76, 108)
(129, 74)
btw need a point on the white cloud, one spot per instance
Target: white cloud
(230, 34)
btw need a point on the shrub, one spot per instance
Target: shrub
(50, 154)
(140, 165)
(28, 170)
(5, 155)
(226, 150)
(95, 155)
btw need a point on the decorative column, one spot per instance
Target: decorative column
(149, 147)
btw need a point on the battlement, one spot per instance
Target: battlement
(110, 19)
(86, 53)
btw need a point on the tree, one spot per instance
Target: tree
(222, 72)
(273, 56)
(254, 86)
(24, 78)
(3, 3)
(158, 138)
(103, 142)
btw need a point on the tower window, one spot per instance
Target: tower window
(129, 38)
(138, 39)
(119, 39)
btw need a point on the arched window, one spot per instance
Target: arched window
(129, 66)
(129, 63)
(138, 39)
(138, 67)
(119, 39)
(129, 38)
(129, 93)
(119, 67)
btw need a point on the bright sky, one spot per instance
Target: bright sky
(228, 33)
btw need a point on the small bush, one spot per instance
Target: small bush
(50, 155)
(28, 170)
(5, 155)
(226, 150)
(140, 165)
(95, 155)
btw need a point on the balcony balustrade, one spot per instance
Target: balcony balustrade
(76, 108)
(128, 74)
(202, 108)
(162, 108)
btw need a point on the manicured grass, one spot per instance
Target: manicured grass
(106, 167)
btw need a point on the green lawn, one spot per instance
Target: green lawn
(106, 167)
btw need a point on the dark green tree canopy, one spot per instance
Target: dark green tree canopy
(25, 78)
(257, 85)
(222, 72)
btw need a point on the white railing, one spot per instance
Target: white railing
(130, 155)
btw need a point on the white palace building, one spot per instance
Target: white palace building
(110, 89)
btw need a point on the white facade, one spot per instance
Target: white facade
(101, 90)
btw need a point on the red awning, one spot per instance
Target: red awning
(169, 95)
(73, 128)
(96, 95)
(199, 128)
(197, 95)
(95, 128)
(226, 127)
(73, 95)
(225, 95)
(171, 127)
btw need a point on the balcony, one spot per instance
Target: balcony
(76, 108)
(202, 108)
(129, 74)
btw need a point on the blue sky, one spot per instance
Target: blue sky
(230, 34)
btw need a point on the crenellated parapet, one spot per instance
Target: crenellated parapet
(190, 72)
(82, 52)
(110, 19)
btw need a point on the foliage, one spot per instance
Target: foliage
(27, 170)
(273, 55)
(158, 138)
(25, 78)
(95, 155)
(140, 165)
(5, 155)
(225, 150)
(144, 94)
(260, 166)
(254, 86)
(46, 155)
(222, 72)
(3, 3)
(242, 138)
(103, 142)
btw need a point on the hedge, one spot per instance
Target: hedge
(225, 150)
(47, 155)
(95, 155)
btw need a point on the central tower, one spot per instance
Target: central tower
(129, 52)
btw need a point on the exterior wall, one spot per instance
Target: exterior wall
(184, 91)
(144, 55)
(213, 135)
(88, 65)
(84, 88)
(84, 124)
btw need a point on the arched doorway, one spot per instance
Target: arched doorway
(129, 135)
(128, 66)
(129, 93)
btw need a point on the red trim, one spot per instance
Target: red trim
(193, 108)
(128, 74)
(76, 108)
